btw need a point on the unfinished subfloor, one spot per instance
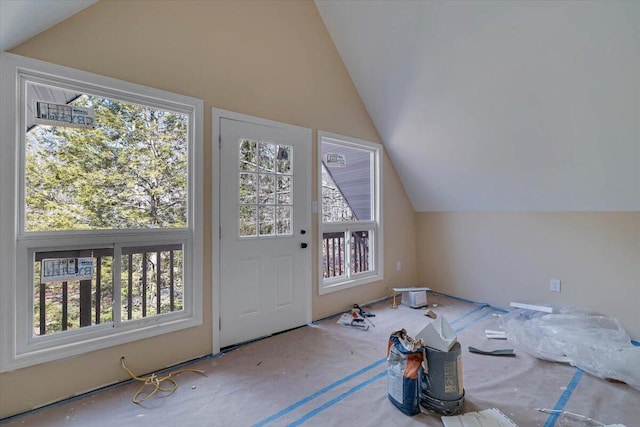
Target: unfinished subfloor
(326, 374)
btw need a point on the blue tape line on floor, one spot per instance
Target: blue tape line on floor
(307, 399)
(318, 393)
(551, 421)
(337, 399)
(468, 314)
(479, 318)
(373, 379)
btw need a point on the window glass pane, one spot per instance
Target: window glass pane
(360, 253)
(266, 197)
(333, 254)
(266, 220)
(346, 183)
(152, 281)
(284, 190)
(334, 205)
(248, 155)
(284, 160)
(283, 220)
(128, 172)
(267, 189)
(72, 289)
(248, 187)
(266, 156)
(247, 221)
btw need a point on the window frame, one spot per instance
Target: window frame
(19, 347)
(374, 226)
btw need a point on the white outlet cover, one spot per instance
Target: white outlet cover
(555, 285)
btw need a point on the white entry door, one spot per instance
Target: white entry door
(265, 236)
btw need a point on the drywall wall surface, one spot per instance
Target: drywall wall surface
(502, 257)
(271, 59)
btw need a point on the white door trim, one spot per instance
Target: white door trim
(217, 115)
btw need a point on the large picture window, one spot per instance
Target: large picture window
(103, 238)
(350, 209)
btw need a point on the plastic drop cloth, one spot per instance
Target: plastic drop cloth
(595, 343)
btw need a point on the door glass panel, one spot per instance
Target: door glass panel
(247, 220)
(284, 190)
(248, 188)
(266, 214)
(248, 155)
(283, 220)
(265, 189)
(284, 159)
(267, 156)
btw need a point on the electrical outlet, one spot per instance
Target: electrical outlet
(398, 266)
(554, 285)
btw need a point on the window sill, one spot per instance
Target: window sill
(329, 287)
(88, 341)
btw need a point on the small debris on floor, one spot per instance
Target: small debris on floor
(508, 352)
(495, 335)
(488, 418)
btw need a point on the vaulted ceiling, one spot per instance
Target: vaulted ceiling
(496, 105)
(481, 105)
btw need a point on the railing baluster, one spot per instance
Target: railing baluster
(171, 296)
(130, 287)
(43, 310)
(98, 287)
(158, 281)
(341, 258)
(64, 306)
(334, 257)
(144, 284)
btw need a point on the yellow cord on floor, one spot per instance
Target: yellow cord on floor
(156, 382)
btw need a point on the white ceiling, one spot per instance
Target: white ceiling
(23, 19)
(495, 105)
(482, 105)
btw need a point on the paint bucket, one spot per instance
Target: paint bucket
(441, 388)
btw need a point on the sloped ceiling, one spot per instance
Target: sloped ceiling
(23, 19)
(482, 105)
(501, 106)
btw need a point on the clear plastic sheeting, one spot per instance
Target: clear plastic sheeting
(594, 343)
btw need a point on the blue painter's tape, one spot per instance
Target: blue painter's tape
(318, 393)
(636, 343)
(307, 399)
(476, 320)
(457, 298)
(337, 399)
(468, 314)
(369, 381)
(551, 421)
